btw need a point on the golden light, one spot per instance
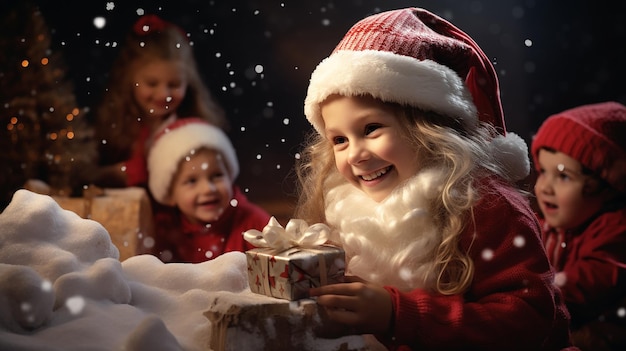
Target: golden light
(25, 63)
(10, 126)
(69, 117)
(70, 135)
(44, 61)
(14, 120)
(75, 111)
(53, 136)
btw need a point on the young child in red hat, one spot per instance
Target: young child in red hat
(192, 168)
(580, 157)
(411, 166)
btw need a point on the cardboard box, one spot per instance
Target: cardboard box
(289, 274)
(125, 213)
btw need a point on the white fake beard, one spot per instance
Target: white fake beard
(391, 242)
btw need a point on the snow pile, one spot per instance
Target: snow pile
(63, 288)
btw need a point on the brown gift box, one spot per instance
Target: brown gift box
(125, 213)
(288, 274)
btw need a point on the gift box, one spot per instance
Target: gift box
(125, 213)
(249, 321)
(288, 262)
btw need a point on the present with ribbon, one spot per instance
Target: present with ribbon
(288, 261)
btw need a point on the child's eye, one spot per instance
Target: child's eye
(190, 181)
(563, 176)
(339, 140)
(371, 128)
(217, 176)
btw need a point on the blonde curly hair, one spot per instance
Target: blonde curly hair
(460, 150)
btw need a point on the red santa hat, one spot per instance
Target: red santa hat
(594, 135)
(177, 141)
(413, 57)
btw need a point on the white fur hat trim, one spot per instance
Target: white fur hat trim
(177, 142)
(390, 77)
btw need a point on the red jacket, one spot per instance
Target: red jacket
(511, 303)
(177, 240)
(136, 165)
(593, 259)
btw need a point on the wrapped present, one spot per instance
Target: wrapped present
(249, 321)
(125, 213)
(288, 261)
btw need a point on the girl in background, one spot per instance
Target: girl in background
(413, 169)
(154, 81)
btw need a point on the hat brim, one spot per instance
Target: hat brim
(390, 77)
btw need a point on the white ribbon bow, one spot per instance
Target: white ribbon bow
(297, 234)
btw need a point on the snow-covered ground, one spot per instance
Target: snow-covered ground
(62, 288)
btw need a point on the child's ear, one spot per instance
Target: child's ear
(608, 194)
(593, 187)
(597, 187)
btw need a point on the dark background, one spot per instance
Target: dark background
(549, 55)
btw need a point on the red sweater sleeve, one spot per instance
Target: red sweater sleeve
(511, 303)
(248, 216)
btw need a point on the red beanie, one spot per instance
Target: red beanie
(594, 135)
(413, 57)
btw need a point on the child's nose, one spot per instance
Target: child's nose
(357, 153)
(164, 93)
(544, 185)
(208, 186)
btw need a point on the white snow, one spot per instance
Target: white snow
(63, 288)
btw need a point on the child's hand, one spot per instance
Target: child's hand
(356, 306)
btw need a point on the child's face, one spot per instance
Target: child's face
(160, 86)
(562, 191)
(202, 187)
(370, 150)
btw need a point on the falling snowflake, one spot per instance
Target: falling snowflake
(75, 304)
(487, 254)
(110, 6)
(46, 285)
(148, 242)
(99, 22)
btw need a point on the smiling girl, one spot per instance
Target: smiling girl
(411, 166)
(154, 81)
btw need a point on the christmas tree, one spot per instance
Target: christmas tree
(43, 133)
